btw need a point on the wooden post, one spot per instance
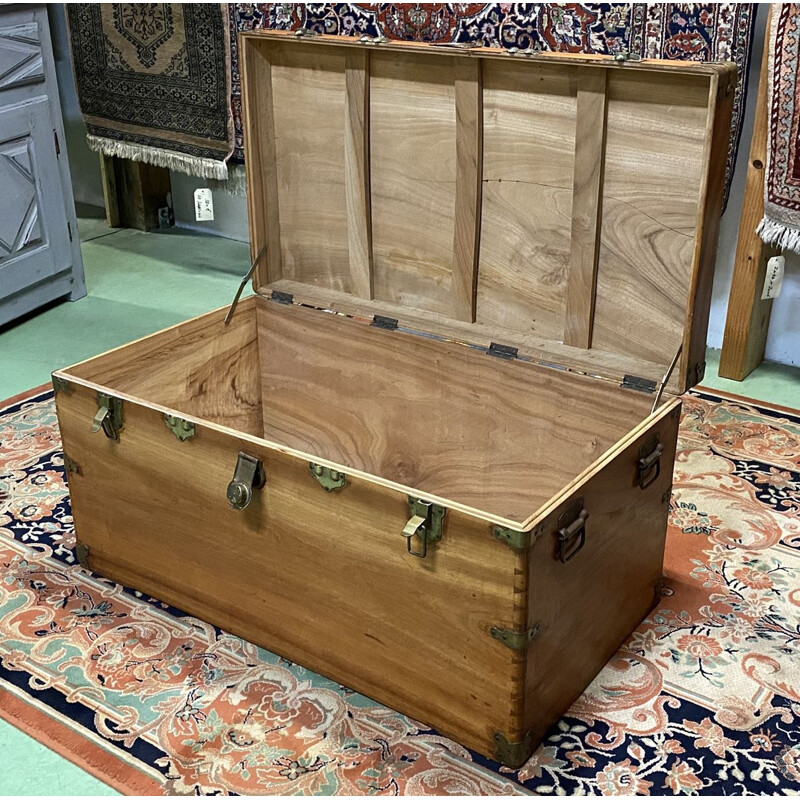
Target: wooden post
(133, 192)
(747, 322)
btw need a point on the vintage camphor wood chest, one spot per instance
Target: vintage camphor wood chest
(472, 272)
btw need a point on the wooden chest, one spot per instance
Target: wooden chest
(431, 458)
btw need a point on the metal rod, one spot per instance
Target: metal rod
(246, 278)
(664, 380)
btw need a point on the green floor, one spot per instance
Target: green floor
(139, 283)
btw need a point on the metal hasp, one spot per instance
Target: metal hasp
(512, 754)
(425, 522)
(515, 640)
(329, 479)
(649, 462)
(108, 416)
(182, 428)
(248, 475)
(571, 531)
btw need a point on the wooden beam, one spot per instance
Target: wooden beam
(469, 177)
(260, 163)
(587, 188)
(747, 323)
(109, 179)
(356, 165)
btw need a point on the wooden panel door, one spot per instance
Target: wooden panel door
(39, 253)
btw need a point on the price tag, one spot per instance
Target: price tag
(203, 205)
(774, 278)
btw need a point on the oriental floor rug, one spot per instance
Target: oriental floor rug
(704, 697)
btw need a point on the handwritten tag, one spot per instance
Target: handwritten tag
(774, 278)
(203, 205)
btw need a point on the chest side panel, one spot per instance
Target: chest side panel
(412, 633)
(586, 608)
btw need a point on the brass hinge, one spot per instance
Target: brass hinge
(516, 540)
(82, 554)
(626, 55)
(329, 479)
(71, 466)
(502, 350)
(182, 428)
(638, 384)
(515, 640)
(108, 416)
(512, 754)
(386, 323)
(60, 385)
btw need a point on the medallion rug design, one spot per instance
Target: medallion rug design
(683, 31)
(781, 223)
(703, 698)
(153, 82)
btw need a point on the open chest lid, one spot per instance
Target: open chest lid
(566, 206)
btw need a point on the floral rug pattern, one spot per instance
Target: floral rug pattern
(703, 699)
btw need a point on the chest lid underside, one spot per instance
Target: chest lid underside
(567, 206)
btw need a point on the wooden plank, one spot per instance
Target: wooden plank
(613, 578)
(747, 323)
(356, 159)
(528, 156)
(260, 168)
(411, 633)
(108, 178)
(469, 174)
(388, 410)
(413, 176)
(587, 187)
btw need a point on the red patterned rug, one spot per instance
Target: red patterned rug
(704, 698)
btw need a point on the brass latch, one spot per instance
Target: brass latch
(249, 474)
(108, 416)
(329, 479)
(425, 522)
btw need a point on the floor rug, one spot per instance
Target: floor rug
(683, 31)
(703, 698)
(153, 82)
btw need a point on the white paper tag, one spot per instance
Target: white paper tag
(203, 205)
(774, 279)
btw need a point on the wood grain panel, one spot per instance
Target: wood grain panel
(612, 578)
(587, 187)
(413, 176)
(469, 169)
(655, 146)
(200, 367)
(356, 155)
(411, 633)
(449, 420)
(309, 100)
(529, 150)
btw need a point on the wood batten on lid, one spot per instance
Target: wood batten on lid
(564, 205)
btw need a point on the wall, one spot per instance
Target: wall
(84, 164)
(783, 343)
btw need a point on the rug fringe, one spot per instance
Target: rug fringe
(236, 184)
(158, 157)
(779, 234)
